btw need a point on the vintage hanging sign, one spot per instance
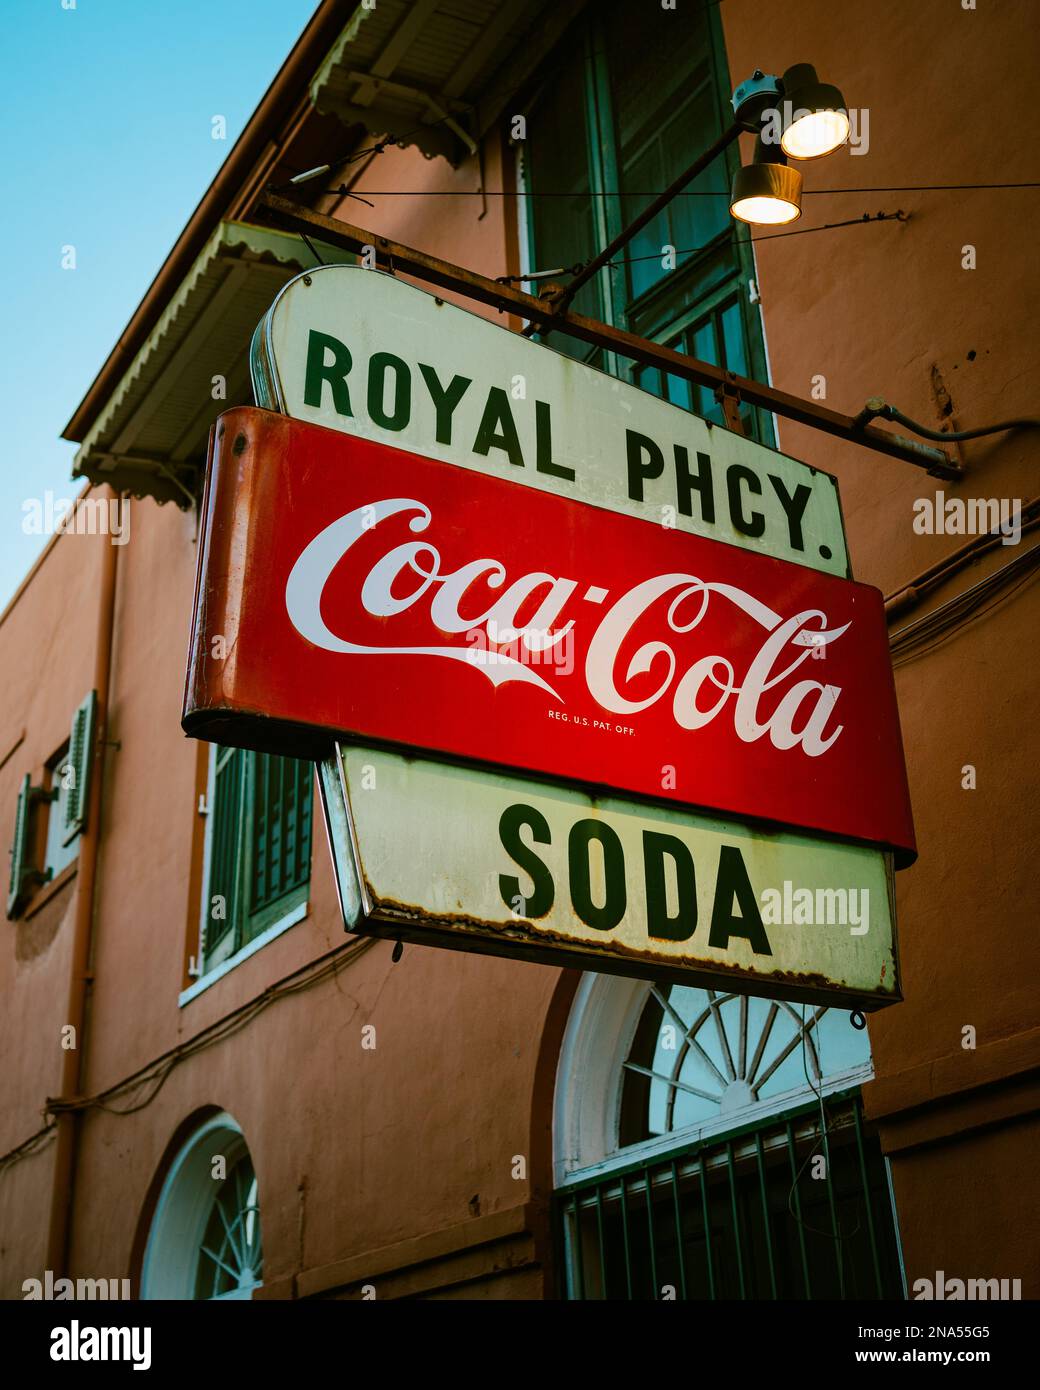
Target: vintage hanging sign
(360, 351)
(509, 866)
(349, 588)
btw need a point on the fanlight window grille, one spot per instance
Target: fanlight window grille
(701, 1056)
(230, 1256)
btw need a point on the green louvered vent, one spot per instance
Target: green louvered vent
(76, 774)
(281, 828)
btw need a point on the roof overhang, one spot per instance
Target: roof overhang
(433, 73)
(150, 438)
(467, 62)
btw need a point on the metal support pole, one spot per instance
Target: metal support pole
(433, 271)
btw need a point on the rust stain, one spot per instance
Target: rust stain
(523, 931)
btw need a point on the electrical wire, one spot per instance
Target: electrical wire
(311, 248)
(944, 622)
(689, 193)
(876, 408)
(29, 1146)
(836, 1235)
(868, 217)
(155, 1074)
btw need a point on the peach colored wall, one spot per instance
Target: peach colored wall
(357, 1150)
(447, 216)
(990, 1171)
(878, 310)
(46, 668)
(354, 1149)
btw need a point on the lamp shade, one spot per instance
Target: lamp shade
(766, 192)
(816, 121)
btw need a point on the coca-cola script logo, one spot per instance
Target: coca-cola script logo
(624, 674)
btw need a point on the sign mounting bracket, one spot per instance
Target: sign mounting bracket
(432, 270)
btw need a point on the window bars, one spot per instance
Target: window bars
(776, 1210)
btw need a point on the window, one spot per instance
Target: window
(712, 1145)
(633, 102)
(205, 1240)
(258, 848)
(50, 817)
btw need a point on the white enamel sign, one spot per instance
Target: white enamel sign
(360, 351)
(516, 867)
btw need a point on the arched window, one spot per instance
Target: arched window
(204, 1240)
(713, 1145)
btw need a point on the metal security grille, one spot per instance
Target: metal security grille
(741, 1217)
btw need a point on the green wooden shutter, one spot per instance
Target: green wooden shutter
(79, 764)
(225, 844)
(281, 828)
(25, 875)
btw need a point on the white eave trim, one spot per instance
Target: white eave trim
(158, 416)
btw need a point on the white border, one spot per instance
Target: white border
(168, 1270)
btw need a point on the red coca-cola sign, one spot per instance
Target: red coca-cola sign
(349, 589)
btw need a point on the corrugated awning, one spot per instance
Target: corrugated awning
(436, 73)
(150, 439)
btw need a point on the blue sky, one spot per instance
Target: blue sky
(106, 120)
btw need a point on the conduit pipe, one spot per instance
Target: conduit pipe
(80, 971)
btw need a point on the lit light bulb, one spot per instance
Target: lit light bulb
(765, 210)
(815, 119)
(814, 134)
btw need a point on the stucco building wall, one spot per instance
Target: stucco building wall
(396, 1164)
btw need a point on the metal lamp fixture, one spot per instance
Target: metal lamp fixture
(767, 191)
(796, 115)
(816, 121)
